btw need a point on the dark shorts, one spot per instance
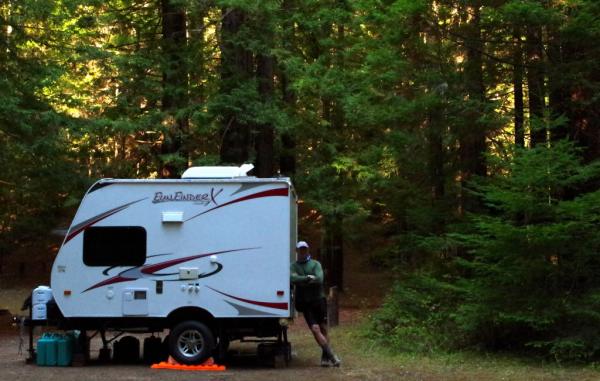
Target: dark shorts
(316, 313)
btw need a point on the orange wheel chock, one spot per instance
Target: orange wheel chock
(209, 365)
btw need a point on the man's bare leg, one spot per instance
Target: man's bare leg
(323, 327)
(320, 334)
(325, 358)
(320, 337)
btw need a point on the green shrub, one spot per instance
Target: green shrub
(417, 316)
(527, 276)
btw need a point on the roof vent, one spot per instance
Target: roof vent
(217, 172)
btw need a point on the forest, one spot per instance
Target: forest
(453, 141)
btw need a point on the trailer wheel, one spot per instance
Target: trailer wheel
(191, 342)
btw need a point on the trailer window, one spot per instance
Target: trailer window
(114, 246)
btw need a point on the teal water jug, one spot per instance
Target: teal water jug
(42, 349)
(64, 347)
(52, 350)
(72, 339)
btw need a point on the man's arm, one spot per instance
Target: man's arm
(317, 273)
(295, 277)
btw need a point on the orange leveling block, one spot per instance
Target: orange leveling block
(208, 365)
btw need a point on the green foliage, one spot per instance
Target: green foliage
(527, 278)
(37, 175)
(417, 316)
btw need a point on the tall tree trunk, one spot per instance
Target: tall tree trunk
(558, 88)
(333, 114)
(577, 97)
(519, 116)
(334, 251)
(587, 130)
(535, 85)
(472, 139)
(197, 70)
(287, 156)
(236, 69)
(436, 152)
(265, 160)
(335, 231)
(435, 127)
(175, 85)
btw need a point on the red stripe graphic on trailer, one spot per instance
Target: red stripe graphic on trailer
(150, 269)
(279, 306)
(76, 229)
(140, 272)
(115, 279)
(268, 193)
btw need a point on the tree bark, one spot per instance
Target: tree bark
(435, 127)
(535, 85)
(519, 114)
(472, 139)
(287, 156)
(334, 251)
(557, 88)
(198, 69)
(574, 98)
(265, 160)
(436, 152)
(236, 68)
(175, 85)
(337, 121)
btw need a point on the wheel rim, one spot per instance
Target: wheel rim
(190, 343)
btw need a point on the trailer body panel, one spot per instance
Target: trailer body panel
(146, 248)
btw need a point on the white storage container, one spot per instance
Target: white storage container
(39, 312)
(41, 295)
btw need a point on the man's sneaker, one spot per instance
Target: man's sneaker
(335, 360)
(324, 359)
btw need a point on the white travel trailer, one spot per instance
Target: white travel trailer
(206, 256)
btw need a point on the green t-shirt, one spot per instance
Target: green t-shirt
(307, 291)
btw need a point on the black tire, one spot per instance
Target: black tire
(220, 353)
(191, 342)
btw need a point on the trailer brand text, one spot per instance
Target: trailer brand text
(199, 198)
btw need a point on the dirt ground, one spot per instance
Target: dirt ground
(241, 365)
(361, 362)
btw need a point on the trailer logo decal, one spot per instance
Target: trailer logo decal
(279, 306)
(268, 193)
(76, 229)
(197, 198)
(149, 271)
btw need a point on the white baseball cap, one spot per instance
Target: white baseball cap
(301, 244)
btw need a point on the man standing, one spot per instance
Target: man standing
(307, 276)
